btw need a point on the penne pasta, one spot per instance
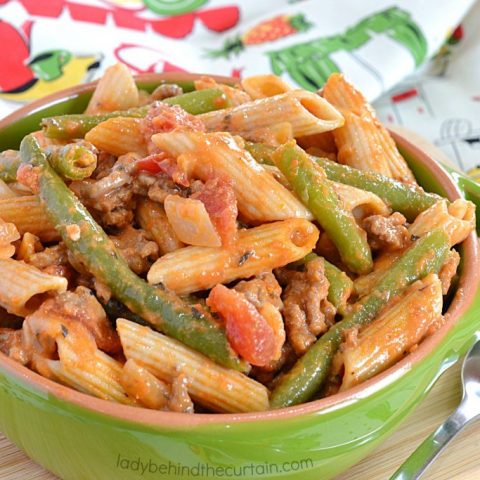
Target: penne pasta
(360, 202)
(211, 385)
(263, 86)
(22, 286)
(275, 135)
(118, 136)
(152, 218)
(260, 197)
(116, 90)
(322, 141)
(5, 191)
(98, 374)
(307, 112)
(28, 215)
(190, 221)
(257, 250)
(363, 142)
(457, 219)
(398, 329)
(143, 386)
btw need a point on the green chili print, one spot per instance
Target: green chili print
(310, 63)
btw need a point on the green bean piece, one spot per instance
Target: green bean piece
(163, 310)
(115, 309)
(200, 101)
(78, 125)
(310, 183)
(261, 152)
(9, 163)
(341, 285)
(67, 127)
(410, 200)
(425, 256)
(74, 161)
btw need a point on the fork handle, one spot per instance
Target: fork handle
(416, 464)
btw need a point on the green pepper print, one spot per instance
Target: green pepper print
(163, 310)
(310, 63)
(427, 255)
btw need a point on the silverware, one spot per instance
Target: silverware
(468, 410)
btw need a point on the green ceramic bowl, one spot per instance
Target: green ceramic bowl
(81, 437)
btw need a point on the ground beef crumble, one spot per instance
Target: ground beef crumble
(389, 233)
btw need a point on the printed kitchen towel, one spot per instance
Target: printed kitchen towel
(378, 44)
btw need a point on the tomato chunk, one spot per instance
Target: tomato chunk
(248, 332)
(159, 163)
(219, 199)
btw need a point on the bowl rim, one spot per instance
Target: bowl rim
(463, 298)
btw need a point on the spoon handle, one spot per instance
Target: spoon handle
(415, 465)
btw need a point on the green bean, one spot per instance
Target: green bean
(410, 200)
(74, 161)
(163, 310)
(78, 125)
(426, 255)
(115, 309)
(310, 183)
(9, 163)
(200, 101)
(341, 285)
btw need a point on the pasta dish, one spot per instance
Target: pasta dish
(227, 249)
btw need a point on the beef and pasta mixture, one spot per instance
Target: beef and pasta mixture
(216, 248)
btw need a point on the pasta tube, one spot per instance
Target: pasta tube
(363, 142)
(22, 286)
(116, 90)
(28, 215)
(398, 329)
(457, 219)
(190, 221)
(257, 250)
(310, 183)
(96, 374)
(162, 309)
(360, 202)
(260, 197)
(427, 255)
(211, 385)
(307, 112)
(118, 136)
(144, 387)
(276, 135)
(77, 125)
(263, 86)
(5, 191)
